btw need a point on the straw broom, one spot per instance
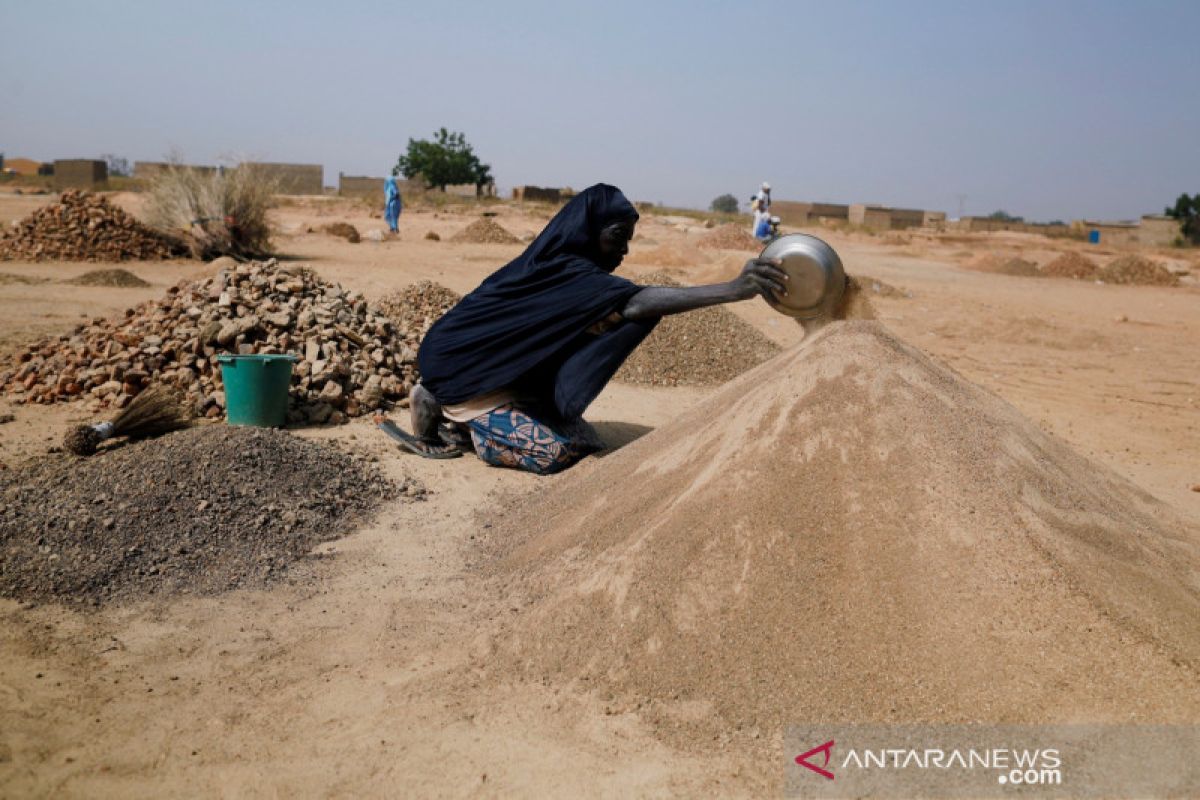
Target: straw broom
(156, 411)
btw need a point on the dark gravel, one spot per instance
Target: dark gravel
(202, 510)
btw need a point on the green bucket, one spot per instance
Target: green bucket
(256, 389)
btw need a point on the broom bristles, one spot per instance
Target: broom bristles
(153, 412)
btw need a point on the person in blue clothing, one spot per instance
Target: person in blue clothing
(392, 206)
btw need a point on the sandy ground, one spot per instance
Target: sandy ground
(356, 682)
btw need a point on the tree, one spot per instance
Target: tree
(1004, 216)
(1187, 211)
(447, 160)
(117, 166)
(725, 204)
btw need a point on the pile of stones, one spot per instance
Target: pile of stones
(84, 227)
(353, 359)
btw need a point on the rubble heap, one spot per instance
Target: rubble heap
(353, 359)
(1071, 265)
(84, 227)
(415, 308)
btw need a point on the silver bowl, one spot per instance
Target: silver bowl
(816, 279)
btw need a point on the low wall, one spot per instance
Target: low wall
(79, 173)
(292, 178)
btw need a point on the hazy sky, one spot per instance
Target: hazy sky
(1046, 109)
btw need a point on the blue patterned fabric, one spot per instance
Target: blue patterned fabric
(508, 437)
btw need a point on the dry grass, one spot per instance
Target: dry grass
(216, 214)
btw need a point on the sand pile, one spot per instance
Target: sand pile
(1136, 270)
(665, 256)
(415, 308)
(850, 532)
(729, 237)
(201, 510)
(1071, 265)
(343, 230)
(484, 231)
(1005, 265)
(352, 358)
(880, 288)
(120, 278)
(705, 346)
(84, 227)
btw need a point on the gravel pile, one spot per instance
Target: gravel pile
(484, 231)
(415, 308)
(353, 359)
(702, 347)
(26, 280)
(84, 227)
(120, 278)
(1136, 270)
(729, 237)
(202, 510)
(1004, 265)
(1071, 265)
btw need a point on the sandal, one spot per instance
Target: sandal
(426, 448)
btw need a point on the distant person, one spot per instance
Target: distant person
(762, 224)
(764, 197)
(392, 206)
(509, 371)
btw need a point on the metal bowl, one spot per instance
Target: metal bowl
(816, 278)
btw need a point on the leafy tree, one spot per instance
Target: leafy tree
(1187, 211)
(117, 166)
(446, 160)
(1004, 216)
(725, 204)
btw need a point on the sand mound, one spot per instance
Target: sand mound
(729, 237)
(484, 231)
(121, 278)
(880, 288)
(850, 532)
(1071, 265)
(202, 510)
(705, 346)
(84, 227)
(1004, 265)
(415, 308)
(1136, 270)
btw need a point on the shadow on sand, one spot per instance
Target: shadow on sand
(618, 434)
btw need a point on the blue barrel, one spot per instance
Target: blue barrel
(1093, 237)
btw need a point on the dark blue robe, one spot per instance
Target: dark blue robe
(525, 327)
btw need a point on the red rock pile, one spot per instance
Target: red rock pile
(84, 227)
(353, 359)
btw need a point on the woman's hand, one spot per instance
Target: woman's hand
(760, 276)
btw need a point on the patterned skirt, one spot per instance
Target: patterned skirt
(509, 437)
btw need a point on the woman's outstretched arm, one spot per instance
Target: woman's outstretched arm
(758, 277)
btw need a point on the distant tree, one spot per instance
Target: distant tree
(446, 160)
(1187, 211)
(1004, 216)
(117, 166)
(725, 204)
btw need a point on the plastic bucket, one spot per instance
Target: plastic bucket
(256, 389)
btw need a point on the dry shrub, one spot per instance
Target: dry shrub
(220, 213)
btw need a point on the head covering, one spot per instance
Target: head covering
(534, 310)
(766, 186)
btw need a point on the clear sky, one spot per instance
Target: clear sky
(1048, 109)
